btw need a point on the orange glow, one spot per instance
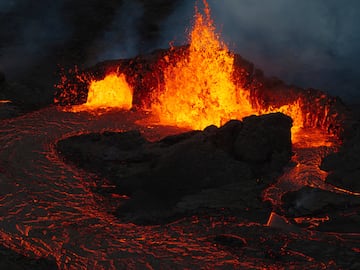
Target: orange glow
(111, 92)
(198, 89)
(5, 101)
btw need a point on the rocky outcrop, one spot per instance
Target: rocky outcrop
(263, 139)
(325, 210)
(344, 166)
(159, 175)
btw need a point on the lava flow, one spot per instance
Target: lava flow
(49, 208)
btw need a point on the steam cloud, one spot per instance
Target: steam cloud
(121, 38)
(311, 43)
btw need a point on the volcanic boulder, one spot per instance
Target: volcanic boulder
(263, 138)
(344, 166)
(158, 175)
(336, 212)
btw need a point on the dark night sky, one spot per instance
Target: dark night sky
(310, 43)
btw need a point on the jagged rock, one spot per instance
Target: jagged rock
(344, 166)
(264, 137)
(226, 135)
(313, 201)
(323, 210)
(158, 175)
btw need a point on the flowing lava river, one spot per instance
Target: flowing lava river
(49, 210)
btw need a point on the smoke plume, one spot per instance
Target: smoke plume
(307, 43)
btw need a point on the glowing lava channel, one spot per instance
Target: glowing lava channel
(111, 92)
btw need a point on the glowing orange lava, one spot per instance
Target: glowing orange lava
(198, 89)
(111, 92)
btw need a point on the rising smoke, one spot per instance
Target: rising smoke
(310, 43)
(120, 39)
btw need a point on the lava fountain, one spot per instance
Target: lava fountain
(111, 92)
(194, 87)
(198, 89)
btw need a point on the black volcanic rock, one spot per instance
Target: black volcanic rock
(312, 201)
(264, 137)
(336, 212)
(160, 175)
(344, 166)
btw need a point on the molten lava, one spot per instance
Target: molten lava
(111, 92)
(198, 89)
(195, 88)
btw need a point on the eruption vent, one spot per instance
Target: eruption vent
(198, 89)
(196, 86)
(111, 92)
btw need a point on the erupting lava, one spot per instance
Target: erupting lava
(193, 89)
(111, 92)
(198, 89)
